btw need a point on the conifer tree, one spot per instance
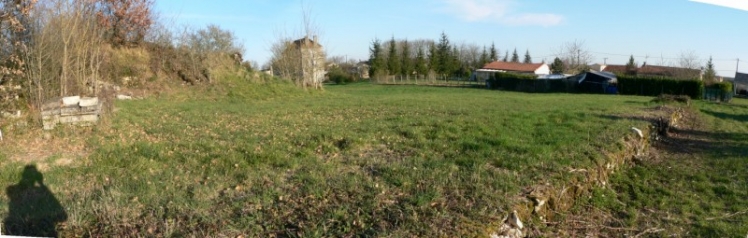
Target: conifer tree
(393, 59)
(557, 67)
(421, 66)
(407, 65)
(631, 66)
(483, 58)
(376, 60)
(528, 59)
(494, 56)
(710, 75)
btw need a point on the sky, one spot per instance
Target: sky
(654, 31)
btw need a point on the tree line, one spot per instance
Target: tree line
(441, 58)
(56, 48)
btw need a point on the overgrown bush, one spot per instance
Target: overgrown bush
(654, 86)
(337, 75)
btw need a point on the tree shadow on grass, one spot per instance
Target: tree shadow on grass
(727, 116)
(706, 142)
(33, 209)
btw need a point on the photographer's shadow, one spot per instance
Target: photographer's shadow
(33, 209)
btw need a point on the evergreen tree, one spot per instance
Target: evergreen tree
(506, 56)
(710, 75)
(557, 67)
(407, 65)
(444, 55)
(376, 61)
(421, 66)
(494, 56)
(483, 58)
(631, 66)
(515, 56)
(393, 60)
(455, 65)
(528, 59)
(433, 58)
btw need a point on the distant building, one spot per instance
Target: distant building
(511, 67)
(312, 61)
(649, 70)
(362, 69)
(741, 83)
(667, 71)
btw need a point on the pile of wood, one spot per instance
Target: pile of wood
(74, 110)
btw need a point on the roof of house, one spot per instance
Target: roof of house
(510, 66)
(616, 69)
(666, 71)
(306, 41)
(597, 76)
(741, 77)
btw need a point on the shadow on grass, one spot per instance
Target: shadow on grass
(706, 142)
(727, 116)
(472, 86)
(33, 209)
(627, 117)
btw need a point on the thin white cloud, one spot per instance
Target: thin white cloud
(535, 19)
(736, 4)
(498, 11)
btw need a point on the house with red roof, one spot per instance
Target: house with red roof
(539, 69)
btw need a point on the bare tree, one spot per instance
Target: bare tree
(68, 62)
(575, 56)
(688, 60)
(689, 65)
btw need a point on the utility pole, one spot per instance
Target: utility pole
(737, 67)
(605, 61)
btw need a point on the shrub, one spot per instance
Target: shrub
(338, 76)
(719, 92)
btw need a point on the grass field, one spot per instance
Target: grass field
(695, 185)
(355, 160)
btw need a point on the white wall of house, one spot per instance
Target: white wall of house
(543, 70)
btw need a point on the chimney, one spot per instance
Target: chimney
(315, 39)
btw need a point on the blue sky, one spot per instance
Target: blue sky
(653, 31)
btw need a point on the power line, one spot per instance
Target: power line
(647, 56)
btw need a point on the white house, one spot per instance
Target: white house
(540, 69)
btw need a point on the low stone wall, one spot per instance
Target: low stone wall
(74, 110)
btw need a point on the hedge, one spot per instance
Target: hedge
(526, 83)
(719, 92)
(654, 86)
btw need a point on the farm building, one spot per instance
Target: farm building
(511, 67)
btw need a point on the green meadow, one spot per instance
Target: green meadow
(270, 160)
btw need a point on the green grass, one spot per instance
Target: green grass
(355, 160)
(699, 191)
